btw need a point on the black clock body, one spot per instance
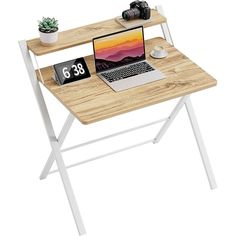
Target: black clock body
(70, 71)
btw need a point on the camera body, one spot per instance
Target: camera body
(138, 10)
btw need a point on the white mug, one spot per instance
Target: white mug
(159, 52)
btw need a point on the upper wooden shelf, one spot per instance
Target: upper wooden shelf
(85, 34)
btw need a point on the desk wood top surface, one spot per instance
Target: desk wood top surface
(91, 100)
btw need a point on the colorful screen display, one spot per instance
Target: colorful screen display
(119, 49)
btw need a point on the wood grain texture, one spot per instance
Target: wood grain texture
(91, 100)
(85, 34)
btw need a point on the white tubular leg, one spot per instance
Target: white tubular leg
(165, 27)
(170, 120)
(68, 188)
(61, 138)
(200, 143)
(52, 138)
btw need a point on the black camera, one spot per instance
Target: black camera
(138, 9)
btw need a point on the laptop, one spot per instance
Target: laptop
(120, 60)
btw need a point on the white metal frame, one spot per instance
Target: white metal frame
(56, 143)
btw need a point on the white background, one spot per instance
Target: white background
(152, 190)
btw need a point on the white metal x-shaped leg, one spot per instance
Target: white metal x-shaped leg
(184, 101)
(192, 117)
(200, 143)
(55, 145)
(61, 138)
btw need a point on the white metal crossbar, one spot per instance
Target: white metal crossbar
(106, 154)
(113, 135)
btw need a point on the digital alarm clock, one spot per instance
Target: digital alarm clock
(70, 71)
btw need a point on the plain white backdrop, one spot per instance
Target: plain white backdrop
(152, 190)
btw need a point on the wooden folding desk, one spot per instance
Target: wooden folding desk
(91, 100)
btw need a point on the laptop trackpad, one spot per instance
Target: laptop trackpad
(137, 80)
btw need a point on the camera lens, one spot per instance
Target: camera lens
(133, 13)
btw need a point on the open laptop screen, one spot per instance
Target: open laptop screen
(118, 49)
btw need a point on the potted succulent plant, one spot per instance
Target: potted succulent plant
(48, 30)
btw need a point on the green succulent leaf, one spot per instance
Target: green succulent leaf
(48, 25)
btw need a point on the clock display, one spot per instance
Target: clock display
(70, 71)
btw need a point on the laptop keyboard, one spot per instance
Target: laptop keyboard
(126, 72)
